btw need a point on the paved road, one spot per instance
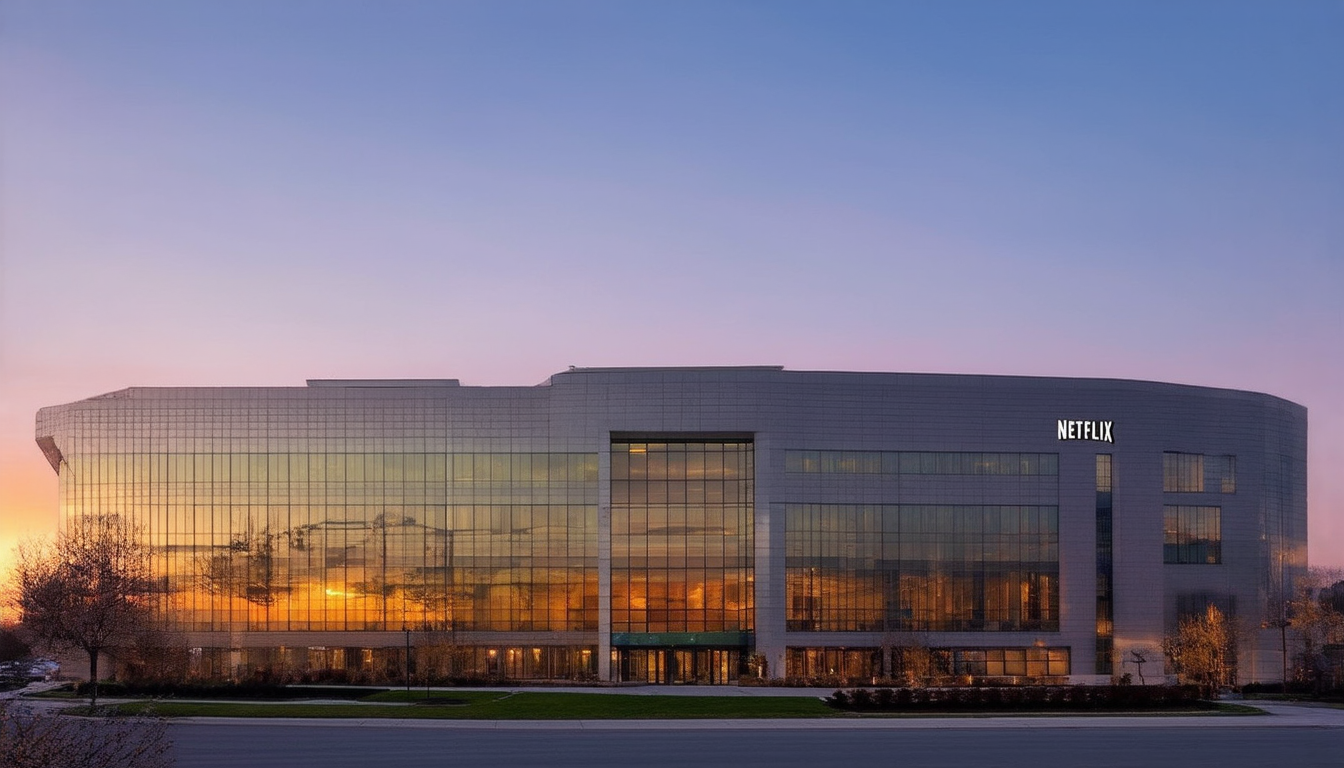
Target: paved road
(1291, 737)
(1296, 738)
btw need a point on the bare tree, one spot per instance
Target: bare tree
(1138, 656)
(88, 589)
(245, 568)
(911, 658)
(1318, 621)
(31, 739)
(1202, 650)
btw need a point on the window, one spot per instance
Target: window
(1197, 473)
(681, 537)
(1011, 662)
(1182, 472)
(920, 463)
(1105, 646)
(921, 567)
(1222, 473)
(1192, 535)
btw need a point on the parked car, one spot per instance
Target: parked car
(44, 669)
(29, 670)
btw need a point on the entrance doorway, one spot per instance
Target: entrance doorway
(679, 666)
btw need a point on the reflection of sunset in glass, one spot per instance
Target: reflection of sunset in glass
(345, 541)
(681, 530)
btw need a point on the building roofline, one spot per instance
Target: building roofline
(728, 372)
(671, 368)
(382, 383)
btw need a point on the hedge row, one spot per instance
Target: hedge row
(1030, 698)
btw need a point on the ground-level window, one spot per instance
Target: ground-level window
(916, 661)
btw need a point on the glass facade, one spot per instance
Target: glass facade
(681, 559)
(429, 658)
(681, 539)
(866, 664)
(812, 663)
(880, 568)
(341, 541)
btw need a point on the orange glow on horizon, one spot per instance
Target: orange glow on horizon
(28, 506)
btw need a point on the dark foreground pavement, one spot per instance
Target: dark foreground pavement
(1314, 742)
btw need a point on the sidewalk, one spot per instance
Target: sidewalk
(1280, 716)
(38, 687)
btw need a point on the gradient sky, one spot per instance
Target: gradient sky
(256, 193)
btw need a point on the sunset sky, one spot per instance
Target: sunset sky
(257, 193)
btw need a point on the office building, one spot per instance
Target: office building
(691, 524)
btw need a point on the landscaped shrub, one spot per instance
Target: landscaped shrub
(1028, 698)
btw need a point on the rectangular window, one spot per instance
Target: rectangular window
(1105, 646)
(1192, 535)
(1182, 472)
(921, 567)
(1032, 662)
(1103, 473)
(1198, 473)
(920, 463)
(1221, 473)
(681, 536)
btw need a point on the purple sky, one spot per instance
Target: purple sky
(257, 193)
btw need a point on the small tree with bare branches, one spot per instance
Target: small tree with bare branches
(911, 660)
(1318, 621)
(1203, 650)
(35, 739)
(87, 589)
(1138, 656)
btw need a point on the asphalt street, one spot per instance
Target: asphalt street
(1294, 739)
(1290, 736)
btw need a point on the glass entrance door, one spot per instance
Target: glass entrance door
(679, 666)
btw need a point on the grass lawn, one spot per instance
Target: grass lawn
(527, 705)
(493, 705)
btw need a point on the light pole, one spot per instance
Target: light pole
(1283, 649)
(406, 628)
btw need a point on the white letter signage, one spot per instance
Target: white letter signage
(1071, 429)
